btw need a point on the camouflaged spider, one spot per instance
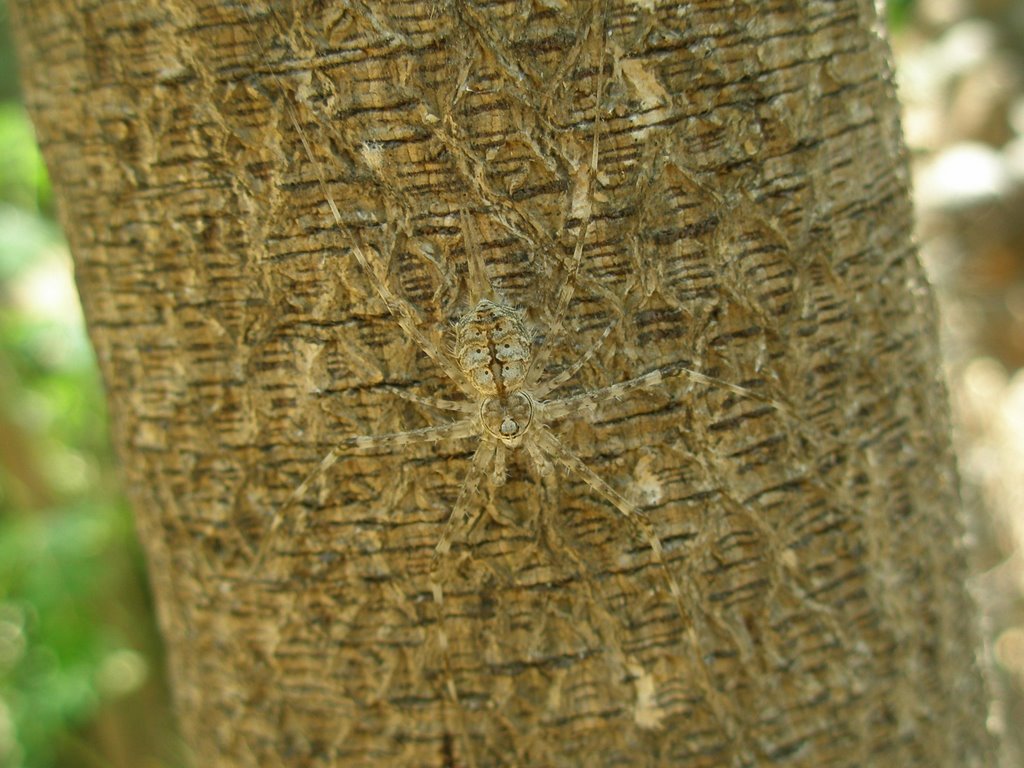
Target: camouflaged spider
(498, 372)
(508, 402)
(507, 407)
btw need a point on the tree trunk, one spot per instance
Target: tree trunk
(751, 556)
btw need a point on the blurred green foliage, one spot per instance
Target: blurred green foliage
(899, 13)
(80, 681)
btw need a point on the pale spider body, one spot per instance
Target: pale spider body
(492, 361)
(492, 348)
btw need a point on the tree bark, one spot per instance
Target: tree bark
(747, 217)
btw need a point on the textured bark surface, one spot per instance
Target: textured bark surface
(748, 217)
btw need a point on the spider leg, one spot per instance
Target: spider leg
(499, 472)
(477, 282)
(543, 390)
(694, 624)
(546, 470)
(456, 430)
(558, 546)
(787, 574)
(565, 294)
(401, 310)
(437, 403)
(585, 207)
(470, 485)
(560, 408)
(540, 460)
(637, 520)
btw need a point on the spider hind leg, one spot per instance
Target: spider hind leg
(695, 626)
(455, 430)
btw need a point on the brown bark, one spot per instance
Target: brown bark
(748, 217)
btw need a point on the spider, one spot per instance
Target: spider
(507, 405)
(506, 402)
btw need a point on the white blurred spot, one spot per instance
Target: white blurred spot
(963, 175)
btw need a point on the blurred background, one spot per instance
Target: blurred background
(960, 70)
(81, 673)
(81, 670)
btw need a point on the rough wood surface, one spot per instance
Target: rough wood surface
(747, 217)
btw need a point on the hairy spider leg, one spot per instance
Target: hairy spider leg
(554, 542)
(543, 390)
(786, 573)
(478, 283)
(437, 403)
(460, 512)
(402, 312)
(470, 484)
(785, 562)
(456, 430)
(499, 472)
(590, 178)
(562, 407)
(642, 527)
(400, 309)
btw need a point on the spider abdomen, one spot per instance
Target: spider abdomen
(492, 347)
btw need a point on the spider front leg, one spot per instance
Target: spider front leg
(435, 403)
(403, 313)
(545, 389)
(550, 444)
(556, 546)
(560, 408)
